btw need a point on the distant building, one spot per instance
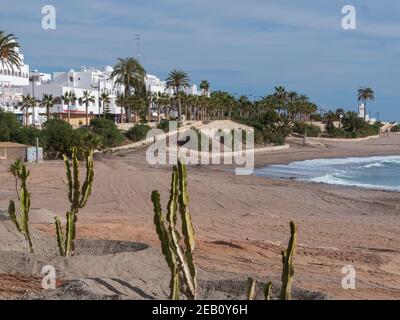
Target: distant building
(361, 114)
(16, 83)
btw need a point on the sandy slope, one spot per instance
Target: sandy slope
(242, 223)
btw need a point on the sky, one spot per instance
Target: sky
(244, 47)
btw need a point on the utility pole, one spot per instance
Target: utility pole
(138, 38)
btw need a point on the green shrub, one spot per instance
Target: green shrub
(26, 135)
(88, 140)
(303, 128)
(57, 138)
(138, 132)
(163, 125)
(108, 131)
(8, 125)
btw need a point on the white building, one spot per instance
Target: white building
(12, 82)
(93, 80)
(361, 114)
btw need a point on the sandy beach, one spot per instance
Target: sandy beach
(241, 222)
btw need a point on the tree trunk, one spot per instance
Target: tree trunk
(87, 115)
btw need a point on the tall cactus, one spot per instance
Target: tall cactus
(179, 256)
(288, 267)
(24, 196)
(77, 196)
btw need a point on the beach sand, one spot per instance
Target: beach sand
(241, 222)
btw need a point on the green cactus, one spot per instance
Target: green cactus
(251, 289)
(179, 256)
(268, 291)
(24, 196)
(77, 196)
(288, 267)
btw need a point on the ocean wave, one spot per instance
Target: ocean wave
(334, 180)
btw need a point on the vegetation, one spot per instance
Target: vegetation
(177, 80)
(87, 99)
(138, 132)
(179, 256)
(365, 94)
(269, 127)
(307, 129)
(9, 57)
(129, 73)
(287, 272)
(48, 102)
(78, 197)
(21, 173)
(352, 126)
(395, 128)
(107, 130)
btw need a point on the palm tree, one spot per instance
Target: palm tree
(176, 80)
(105, 101)
(364, 94)
(27, 102)
(121, 102)
(8, 55)
(205, 87)
(131, 74)
(281, 96)
(86, 99)
(69, 97)
(48, 101)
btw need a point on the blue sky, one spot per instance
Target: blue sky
(245, 47)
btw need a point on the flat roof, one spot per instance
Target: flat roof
(12, 145)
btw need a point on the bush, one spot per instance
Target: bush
(108, 131)
(26, 135)
(269, 127)
(57, 138)
(138, 132)
(8, 125)
(88, 139)
(303, 128)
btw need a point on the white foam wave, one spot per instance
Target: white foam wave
(334, 180)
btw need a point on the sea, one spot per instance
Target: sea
(378, 173)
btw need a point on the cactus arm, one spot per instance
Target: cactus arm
(166, 248)
(187, 226)
(288, 267)
(69, 234)
(251, 290)
(268, 291)
(11, 212)
(69, 176)
(87, 185)
(60, 236)
(76, 182)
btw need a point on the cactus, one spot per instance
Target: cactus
(24, 196)
(251, 290)
(267, 291)
(77, 196)
(288, 267)
(179, 256)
